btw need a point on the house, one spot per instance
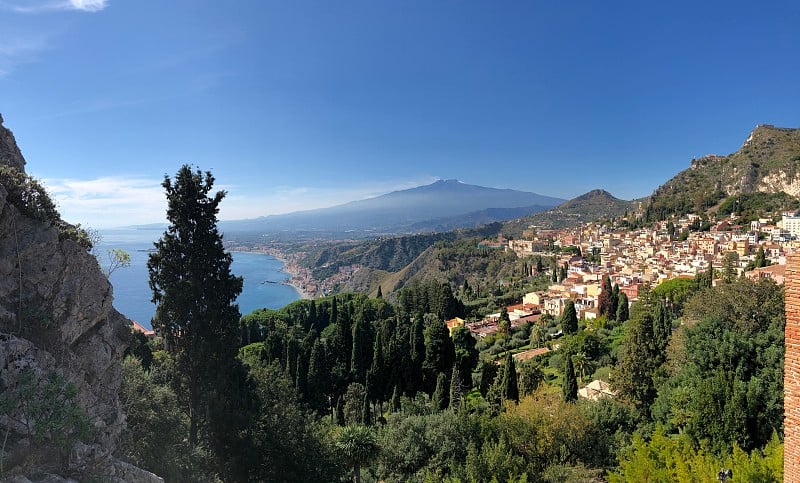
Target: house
(595, 390)
(452, 324)
(140, 328)
(775, 272)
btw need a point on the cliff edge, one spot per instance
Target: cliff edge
(61, 340)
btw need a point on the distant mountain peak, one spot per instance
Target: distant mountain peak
(595, 193)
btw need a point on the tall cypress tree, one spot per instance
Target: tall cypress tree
(440, 396)
(195, 292)
(569, 319)
(570, 387)
(623, 311)
(510, 387)
(613, 303)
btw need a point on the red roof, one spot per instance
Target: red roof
(139, 327)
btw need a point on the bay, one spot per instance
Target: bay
(264, 279)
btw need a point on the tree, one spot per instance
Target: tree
(379, 295)
(622, 308)
(194, 292)
(117, 258)
(579, 360)
(530, 376)
(504, 324)
(604, 299)
(569, 319)
(570, 387)
(357, 446)
(613, 303)
(439, 353)
(510, 388)
(440, 396)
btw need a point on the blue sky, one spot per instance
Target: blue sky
(297, 105)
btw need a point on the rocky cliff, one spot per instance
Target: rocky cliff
(767, 162)
(61, 341)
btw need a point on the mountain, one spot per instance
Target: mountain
(444, 204)
(768, 162)
(591, 206)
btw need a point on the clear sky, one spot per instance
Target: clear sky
(296, 104)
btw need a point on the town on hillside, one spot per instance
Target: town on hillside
(645, 256)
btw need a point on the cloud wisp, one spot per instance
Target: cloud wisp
(109, 202)
(39, 6)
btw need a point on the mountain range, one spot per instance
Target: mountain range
(440, 206)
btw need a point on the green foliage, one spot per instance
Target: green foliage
(32, 200)
(666, 458)
(155, 434)
(510, 389)
(357, 445)
(46, 406)
(194, 292)
(728, 384)
(569, 319)
(441, 395)
(570, 386)
(117, 258)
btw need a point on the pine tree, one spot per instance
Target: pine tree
(195, 292)
(569, 319)
(570, 388)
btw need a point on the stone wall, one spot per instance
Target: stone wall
(791, 374)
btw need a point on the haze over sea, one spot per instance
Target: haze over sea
(263, 276)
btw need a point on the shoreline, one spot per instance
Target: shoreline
(300, 279)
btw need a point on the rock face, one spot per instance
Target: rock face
(56, 320)
(10, 154)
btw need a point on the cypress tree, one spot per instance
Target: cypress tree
(488, 373)
(439, 353)
(510, 387)
(380, 293)
(662, 329)
(570, 388)
(318, 380)
(604, 299)
(622, 308)
(440, 394)
(613, 303)
(456, 388)
(362, 350)
(417, 336)
(569, 319)
(195, 292)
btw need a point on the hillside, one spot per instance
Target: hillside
(591, 206)
(444, 204)
(767, 162)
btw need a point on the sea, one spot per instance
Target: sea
(265, 281)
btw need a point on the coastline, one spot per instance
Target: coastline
(300, 279)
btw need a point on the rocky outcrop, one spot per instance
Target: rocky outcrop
(57, 323)
(10, 154)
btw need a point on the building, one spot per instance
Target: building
(791, 224)
(596, 390)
